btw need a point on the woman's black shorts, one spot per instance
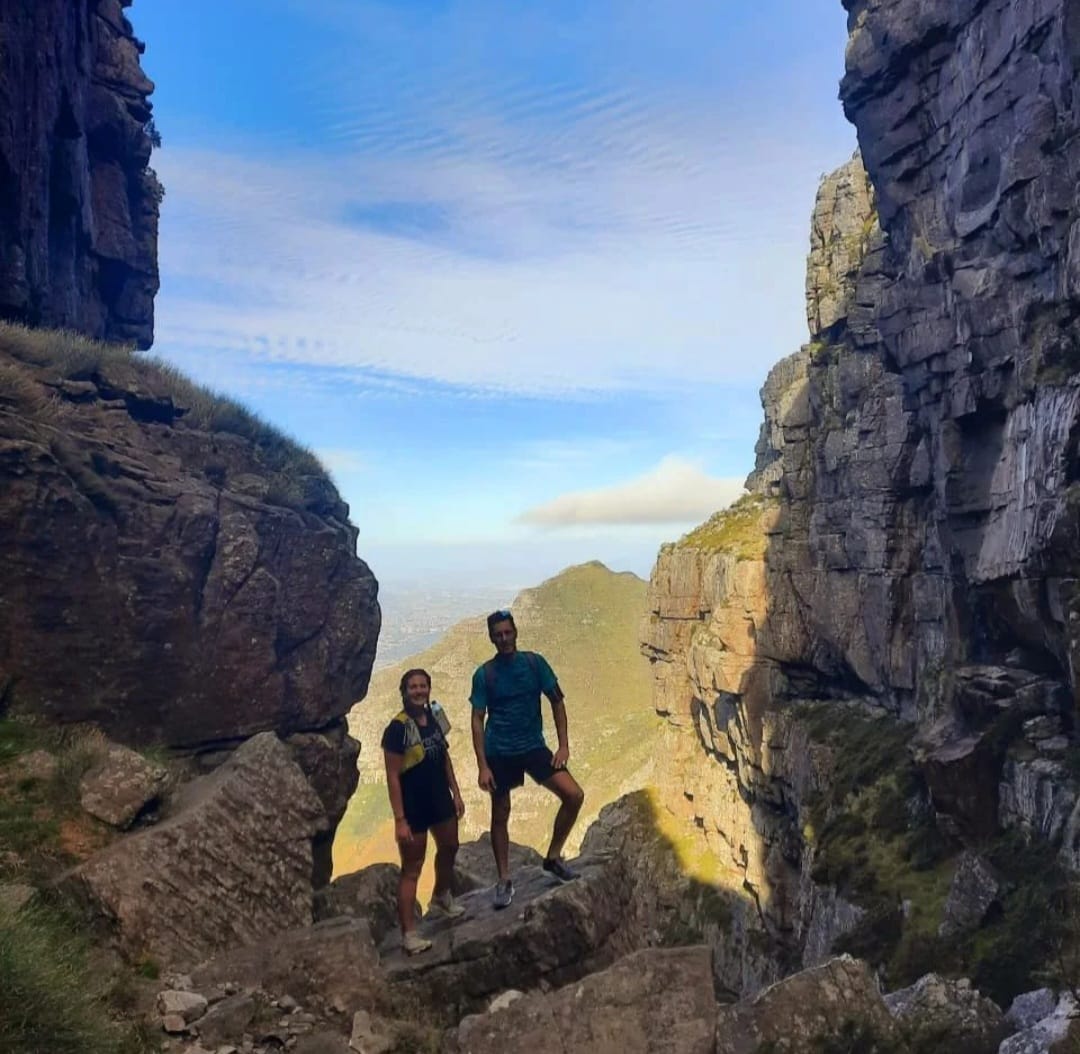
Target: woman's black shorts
(428, 810)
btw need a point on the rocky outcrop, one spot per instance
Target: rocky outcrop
(78, 200)
(657, 1000)
(232, 866)
(145, 526)
(838, 1000)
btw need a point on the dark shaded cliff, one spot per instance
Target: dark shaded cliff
(874, 656)
(171, 568)
(78, 202)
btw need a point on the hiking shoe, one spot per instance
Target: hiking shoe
(444, 907)
(414, 944)
(559, 869)
(504, 893)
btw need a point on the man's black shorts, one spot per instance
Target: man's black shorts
(509, 770)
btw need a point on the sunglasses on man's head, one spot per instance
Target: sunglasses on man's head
(500, 614)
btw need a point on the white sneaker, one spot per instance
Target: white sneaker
(414, 944)
(444, 907)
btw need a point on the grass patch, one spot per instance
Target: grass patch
(41, 822)
(51, 999)
(296, 478)
(737, 530)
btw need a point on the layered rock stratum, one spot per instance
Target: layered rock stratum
(78, 200)
(901, 585)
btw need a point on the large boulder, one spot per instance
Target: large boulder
(936, 1013)
(78, 230)
(475, 868)
(838, 1001)
(654, 1001)
(369, 894)
(172, 569)
(232, 865)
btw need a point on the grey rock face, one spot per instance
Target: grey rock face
(78, 230)
(921, 452)
(1030, 1008)
(369, 894)
(232, 866)
(552, 934)
(1045, 1035)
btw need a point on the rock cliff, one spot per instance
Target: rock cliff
(78, 202)
(906, 563)
(172, 569)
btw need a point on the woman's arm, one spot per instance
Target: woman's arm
(402, 830)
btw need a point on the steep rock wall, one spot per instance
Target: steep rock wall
(172, 569)
(78, 202)
(919, 458)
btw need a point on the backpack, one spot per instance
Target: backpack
(489, 673)
(414, 739)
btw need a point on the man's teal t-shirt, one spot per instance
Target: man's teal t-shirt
(514, 723)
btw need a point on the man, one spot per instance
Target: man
(506, 690)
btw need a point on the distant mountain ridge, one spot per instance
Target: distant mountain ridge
(585, 621)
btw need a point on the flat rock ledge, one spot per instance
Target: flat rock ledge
(552, 934)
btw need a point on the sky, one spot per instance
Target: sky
(515, 272)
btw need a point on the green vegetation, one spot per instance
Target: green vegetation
(41, 824)
(54, 995)
(738, 530)
(296, 476)
(585, 622)
(51, 997)
(876, 840)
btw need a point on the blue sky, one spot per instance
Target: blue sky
(515, 271)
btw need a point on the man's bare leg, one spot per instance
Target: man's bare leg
(500, 833)
(571, 797)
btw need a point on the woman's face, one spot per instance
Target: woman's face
(417, 690)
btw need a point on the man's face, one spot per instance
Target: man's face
(504, 637)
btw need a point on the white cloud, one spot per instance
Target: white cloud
(341, 462)
(676, 491)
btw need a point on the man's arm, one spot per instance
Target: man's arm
(558, 711)
(485, 778)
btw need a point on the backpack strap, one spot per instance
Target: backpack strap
(414, 742)
(489, 673)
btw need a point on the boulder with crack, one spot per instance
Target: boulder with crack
(233, 865)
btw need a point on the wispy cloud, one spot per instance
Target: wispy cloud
(340, 461)
(493, 226)
(676, 491)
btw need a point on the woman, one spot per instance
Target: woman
(424, 796)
